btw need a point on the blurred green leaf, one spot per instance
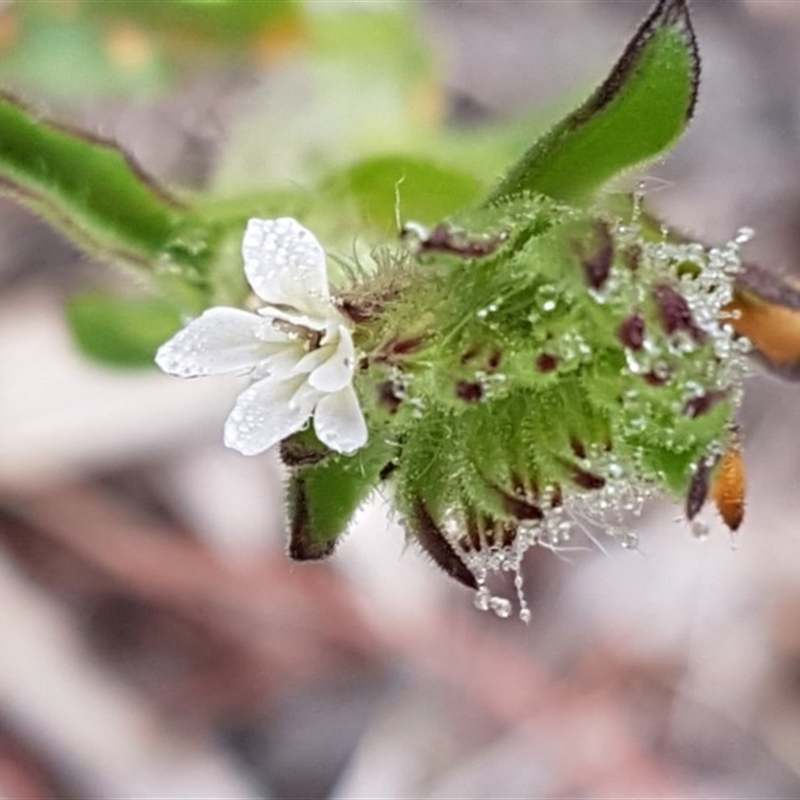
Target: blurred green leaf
(364, 87)
(89, 47)
(642, 107)
(91, 191)
(121, 332)
(383, 187)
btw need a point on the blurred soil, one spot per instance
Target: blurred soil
(154, 640)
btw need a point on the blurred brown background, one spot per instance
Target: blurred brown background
(154, 640)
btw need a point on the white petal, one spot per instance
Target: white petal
(312, 360)
(285, 264)
(337, 370)
(281, 362)
(339, 423)
(268, 411)
(220, 340)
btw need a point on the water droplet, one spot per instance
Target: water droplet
(500, 606)
(629, 540)
(700, 530)
(482, 599)
(524, 611)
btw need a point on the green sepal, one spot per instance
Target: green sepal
(322, 498)
(641, 108)
(94, 193)
(121, 332)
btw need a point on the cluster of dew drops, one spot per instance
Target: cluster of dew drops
(627, 486)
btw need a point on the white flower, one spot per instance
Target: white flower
(297, 349)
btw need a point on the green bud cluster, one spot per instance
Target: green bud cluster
(531, 364)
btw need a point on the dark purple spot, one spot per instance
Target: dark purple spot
(434, 543)
(675, 313)
(587, 480)
(469, 354)
(439, 238)
(402, 347)
(698, 489)
(469, 391)
(521, 509)
(298, 451)
(656, 378)
(597, 266)
(397, 348)
(358, 312)
(577, 447)
(631, 332)
(443, 239)
(508, 533)
(493, 362)
(702, 404)
(632, 257)
(387, 470)
(387, 396)
(546, 362)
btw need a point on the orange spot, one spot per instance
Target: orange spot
(727, 489)
(773, 329)
(128, 48)
(8, 27)
(428, 103)
(279, 39)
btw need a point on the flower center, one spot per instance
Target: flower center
(293, 330)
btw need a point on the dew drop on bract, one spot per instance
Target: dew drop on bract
(700, 530)
(482, 598)
(500, 606)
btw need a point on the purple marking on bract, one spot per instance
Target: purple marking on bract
(675, 312)
(703, 403)
(469, 391)
(698, 490)
(546, 362)
(631, 332)
(597, 267)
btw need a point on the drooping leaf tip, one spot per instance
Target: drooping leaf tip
(666, 14)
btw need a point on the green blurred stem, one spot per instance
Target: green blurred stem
(95, 194)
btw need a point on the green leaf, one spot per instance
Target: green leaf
(121, 332)
(324, 497)
(382, 187)
(643, 106)
(94, 193)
